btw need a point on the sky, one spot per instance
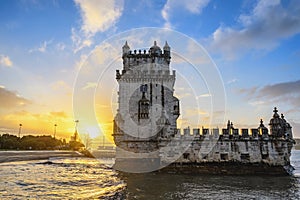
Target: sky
(46, 45)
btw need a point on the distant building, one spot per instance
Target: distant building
(75, 136)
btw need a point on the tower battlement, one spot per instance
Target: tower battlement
(154, 55)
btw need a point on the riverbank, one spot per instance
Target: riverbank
(11, 156)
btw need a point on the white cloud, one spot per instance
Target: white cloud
(89, 85)
(61, 85)
(60, 46)
(99, 15)
(81, 61)
(5, 61)
(79, 42)
(42, 48)
(204, 95)
(232, 81)
(262, 29)
(192, 6)
(96, 16)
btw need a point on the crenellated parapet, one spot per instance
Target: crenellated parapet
(280, 129)
(145, 75)
(141, 56)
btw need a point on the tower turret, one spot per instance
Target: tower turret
(277, 124)
(167, 52)
(167, 48)
(126, 48)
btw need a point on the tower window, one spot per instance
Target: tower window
(245, 157)
(143, 107)
(224, 156)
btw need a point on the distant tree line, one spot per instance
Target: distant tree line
(30, 142)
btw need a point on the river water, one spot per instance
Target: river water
(84, 178)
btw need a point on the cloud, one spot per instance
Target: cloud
(192, 6)
(96, 16)
(10, 99)
(89, 85)
(60, 46)
(60, 85)
(287, 92)
(42, 48)
(37, 123)
(262, 29)
(79, 42)
(193, 112)
(60, 114)
(232, 81)
(280, 89)
(5, 61)
(204, 95)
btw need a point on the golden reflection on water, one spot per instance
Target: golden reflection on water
(63, 178)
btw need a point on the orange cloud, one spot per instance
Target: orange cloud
(59, 114)
(10, 99)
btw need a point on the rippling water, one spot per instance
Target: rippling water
(83, 178)
(61, 178)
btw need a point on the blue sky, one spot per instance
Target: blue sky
(255, 45)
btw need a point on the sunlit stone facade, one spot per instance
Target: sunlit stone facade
(147, 107)
(145, 127)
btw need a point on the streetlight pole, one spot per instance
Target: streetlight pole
(20, 127)
(55, 125)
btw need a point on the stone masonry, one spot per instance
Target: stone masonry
(145, 123)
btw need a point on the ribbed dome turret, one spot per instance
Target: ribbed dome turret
(262, 129)
(276, 118)
(155, 49)
(277, 124)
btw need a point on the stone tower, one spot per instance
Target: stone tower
(147, 109)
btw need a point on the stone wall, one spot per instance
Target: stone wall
(212, 147)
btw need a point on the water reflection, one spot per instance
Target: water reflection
(189, 186)
(195, 186)
(60, 178)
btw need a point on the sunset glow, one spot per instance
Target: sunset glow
(47, 47)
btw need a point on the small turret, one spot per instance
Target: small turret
(167, 47)
(167, 52)
(126, 48)
(263, 131)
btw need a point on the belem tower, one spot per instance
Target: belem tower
(147, 139)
